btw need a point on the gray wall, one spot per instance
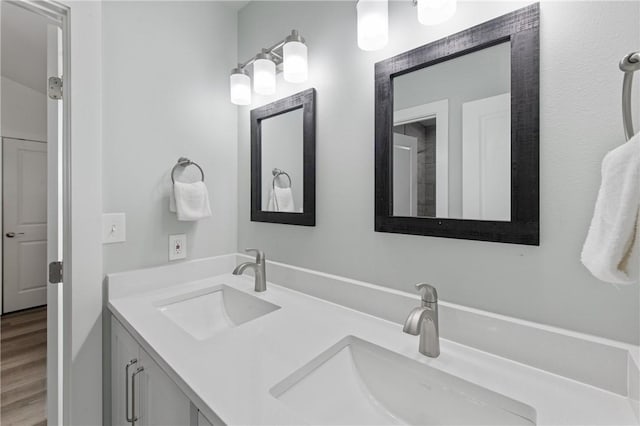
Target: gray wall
(166, 95)
(581, 44)
(25, 111)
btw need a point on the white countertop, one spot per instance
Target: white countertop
(232, 372)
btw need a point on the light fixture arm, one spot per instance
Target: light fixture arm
(275, 51)
(290, 53)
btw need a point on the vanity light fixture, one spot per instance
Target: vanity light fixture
(295, 64)
(373, 19)
(264, 74)
(434, 12)
(240, 87)
(291, 53)
(373, 24)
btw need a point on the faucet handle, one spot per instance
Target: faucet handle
(428, 293)
(259, 254)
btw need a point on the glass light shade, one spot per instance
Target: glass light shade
(373, 24)
(264, 77)
(434, 12)
(295, 66)
(240, 85)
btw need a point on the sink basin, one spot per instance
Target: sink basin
(206, 312)
(358, 383)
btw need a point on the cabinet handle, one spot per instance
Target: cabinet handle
(134, 418)
(126, 389)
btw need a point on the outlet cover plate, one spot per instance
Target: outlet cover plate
(114, 228)
(177, 246)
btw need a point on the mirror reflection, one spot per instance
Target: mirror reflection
(452, 138)
(282, 162)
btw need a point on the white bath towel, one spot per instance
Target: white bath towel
(611, 249)
(281, 200)
(190, 201)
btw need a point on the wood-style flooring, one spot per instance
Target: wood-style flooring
(23, 367)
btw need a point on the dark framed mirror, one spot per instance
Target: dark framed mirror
(283, 161)
(457, 135)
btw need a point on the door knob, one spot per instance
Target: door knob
(13, 234)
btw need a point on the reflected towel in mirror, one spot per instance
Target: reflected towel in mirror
(281, 200)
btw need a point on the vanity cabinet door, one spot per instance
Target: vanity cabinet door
(124, 351)
(161, 400)
(203, 421)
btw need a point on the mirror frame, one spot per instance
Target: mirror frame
(521, 29)
(305, 100)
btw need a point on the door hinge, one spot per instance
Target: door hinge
(55, 272)
(55, 88)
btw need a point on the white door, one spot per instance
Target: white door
(486, 158)
(405, 175)
(25, 224)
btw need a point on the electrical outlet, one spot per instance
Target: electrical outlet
(177, 246)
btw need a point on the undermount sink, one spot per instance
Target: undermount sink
(358, 383)
(206, 312)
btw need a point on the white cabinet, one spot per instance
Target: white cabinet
(202, 420)
(141, 393)
(161, 400)
(125, 352)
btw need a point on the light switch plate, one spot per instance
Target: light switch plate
(177, 246)
(114, 228)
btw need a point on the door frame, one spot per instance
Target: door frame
(60, 14)
(412, 147)
(440, 111)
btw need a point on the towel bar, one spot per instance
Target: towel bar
(185, 162)
(629, 64)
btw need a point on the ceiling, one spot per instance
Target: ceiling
(24, 47)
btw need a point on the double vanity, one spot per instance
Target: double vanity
(241, 340)
(193, 344)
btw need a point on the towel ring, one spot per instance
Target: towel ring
(184, 162)
(276, 174)
(629, 64)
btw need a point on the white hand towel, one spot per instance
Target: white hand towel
(190, 201)
(172, 201)
(281, 200)
(271, 204)
(611, 249)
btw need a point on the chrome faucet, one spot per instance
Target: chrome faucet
(258, 269)
(424, 321)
